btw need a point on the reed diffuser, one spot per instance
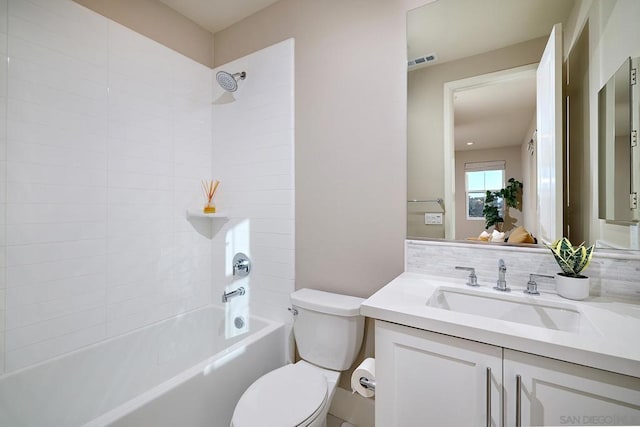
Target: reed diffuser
(209, 188)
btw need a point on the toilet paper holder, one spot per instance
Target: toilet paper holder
(367, 383)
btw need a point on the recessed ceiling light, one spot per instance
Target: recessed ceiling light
(469, 143)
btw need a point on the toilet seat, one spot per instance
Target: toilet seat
(293, 396)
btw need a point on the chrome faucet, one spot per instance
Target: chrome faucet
(532, 286)
(502, 283)
(473, 279)
(226, 296)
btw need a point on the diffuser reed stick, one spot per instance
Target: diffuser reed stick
(209, 188)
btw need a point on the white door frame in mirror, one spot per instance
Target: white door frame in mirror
(549, 146)
(450, 88)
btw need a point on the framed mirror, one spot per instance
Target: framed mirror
(441, 75)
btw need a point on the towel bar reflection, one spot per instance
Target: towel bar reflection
(425, 201)
(438, 201)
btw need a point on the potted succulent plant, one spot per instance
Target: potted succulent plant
(572, 260)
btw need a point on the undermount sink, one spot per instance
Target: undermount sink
(543, 314)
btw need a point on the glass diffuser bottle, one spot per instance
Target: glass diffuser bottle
(209, 188)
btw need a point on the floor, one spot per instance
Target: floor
(337, 422)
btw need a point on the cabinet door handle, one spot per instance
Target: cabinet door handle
(518, 403)
(488, 397)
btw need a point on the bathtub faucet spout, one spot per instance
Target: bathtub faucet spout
(226, 296)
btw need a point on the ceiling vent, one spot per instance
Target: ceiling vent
(432, 57)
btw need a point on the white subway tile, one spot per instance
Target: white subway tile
(133, 245)
(50, 252)
(53, 347)
(123, 133)
(267, 254)
(121, 293)
(120, 273)
(279, 241)
(161, 199)
(275, 269)
(56, 62)
(20, 275)
(90, 49)
(273, 284)
(3, 18)
(141, 181)
(57, 99)
(2, 350)
(131, 107)
(69, 80)
(138, 116)
(70, 138)
(26, 234)
(55, 175)
(35, 114)
(19, 192)
(23, 315)
(264, 301)
(54, 213)
(183, 170)
(42, 292)
(63, 17)
(43, 154)
(279, 226)
(53, 328)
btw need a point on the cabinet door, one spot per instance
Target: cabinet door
(560, 393)
(429, 379)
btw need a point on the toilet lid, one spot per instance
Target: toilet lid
(285, 397)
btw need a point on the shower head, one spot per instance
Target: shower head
(229, 82)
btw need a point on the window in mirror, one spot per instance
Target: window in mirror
(481, 177)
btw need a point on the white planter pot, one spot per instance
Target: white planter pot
(576, 288)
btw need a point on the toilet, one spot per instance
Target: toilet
(328, 329)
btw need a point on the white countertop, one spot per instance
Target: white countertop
(613, 343)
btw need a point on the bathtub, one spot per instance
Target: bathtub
(186, 371)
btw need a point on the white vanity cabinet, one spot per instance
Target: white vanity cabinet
(554, 393)
(430, 379)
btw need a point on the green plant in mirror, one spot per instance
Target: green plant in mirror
(510, 195)
(571, 260)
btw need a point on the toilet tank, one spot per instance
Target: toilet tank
(328, 328)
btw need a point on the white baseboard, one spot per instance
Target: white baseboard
(353, 408)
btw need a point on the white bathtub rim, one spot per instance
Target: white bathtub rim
(147, 396)
(120, 336)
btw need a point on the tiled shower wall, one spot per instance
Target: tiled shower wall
(253, 153)
(108, 137)
(612, 273)
(3, 170)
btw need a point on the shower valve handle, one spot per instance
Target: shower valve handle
(241, 265)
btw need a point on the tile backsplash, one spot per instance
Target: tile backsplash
(613, 274)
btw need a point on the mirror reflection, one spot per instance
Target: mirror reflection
(615, 144)
(473, 63)
(491, 122)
